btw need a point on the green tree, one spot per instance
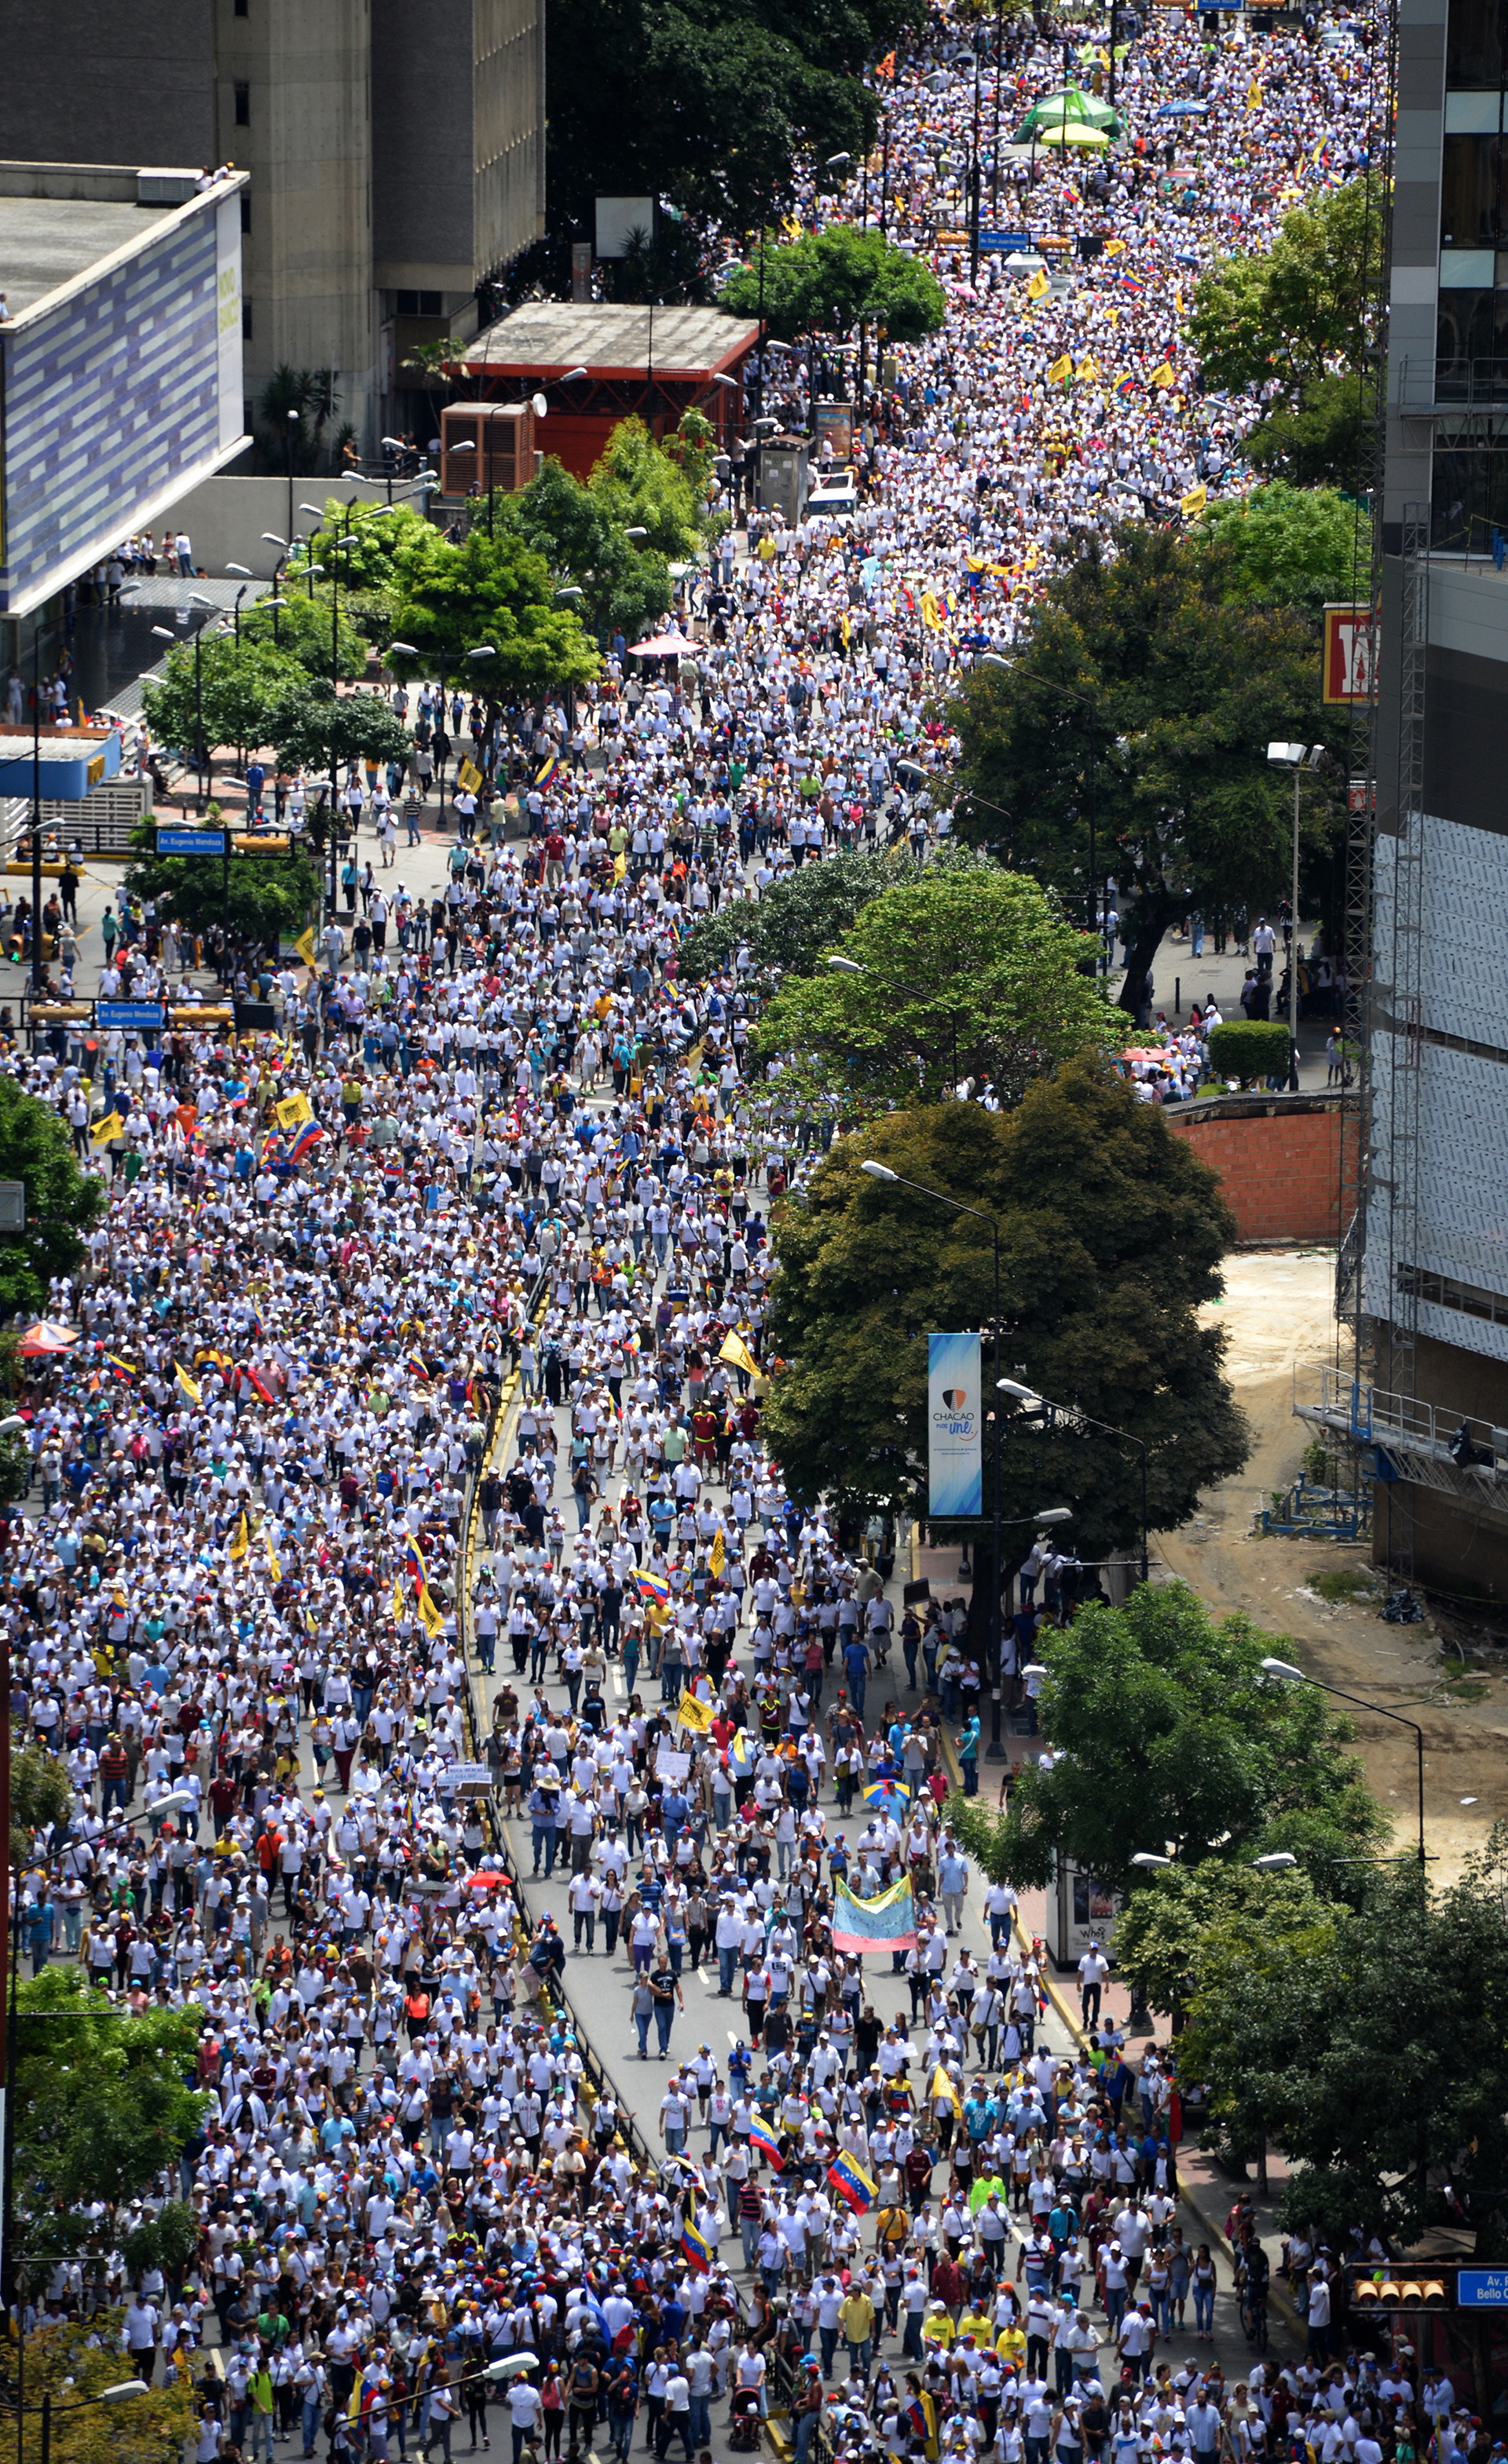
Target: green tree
(809, 911)
(313, 725)
(311, 630)
(833, 281)
(494, 593)
(1372, 2051)
(961, 975)
(101, 2102)
(1143, 687)
(639, 484)
(1176, 1922)
(241, 684)
(786, 80)
(1305, 313)
(1168, 1738)
(269, 895)
(1282, 546)
(61, 1202)
(41, 1795)
(1110, 1233)
(624, 582)
(75, 2361)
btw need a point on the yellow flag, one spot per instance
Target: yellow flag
(243, 1538)
(942, 2085)
(398, 1601)
(111, 1126)
(717, 1557)
(189, 1385)
(305, 946)
(694, 1714)
(734, 1350)
(1060, 370)
(1088, 366)
(433, 1619)
(929, 615)
(620, 865)
(1112, 318)
(1254, 93)
(272, 1566)
(1178, 302)
(1163, 376)
(469, 776)
(1194, 504)
(292, 1110)
(1038, 286)
(1115, 248)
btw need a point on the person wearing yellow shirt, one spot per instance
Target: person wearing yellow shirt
(856, 2319)
(975, 2323)
(1011, 2346)
(937, 2328)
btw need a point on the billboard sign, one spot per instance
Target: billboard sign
(955, 1426)
(1348, 654)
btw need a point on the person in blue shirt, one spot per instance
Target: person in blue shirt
(968, 1753)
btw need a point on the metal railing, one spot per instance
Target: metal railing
(1410, 1439)
(1430, 384)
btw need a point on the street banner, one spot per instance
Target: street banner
(955, 1426)
(1349, 653)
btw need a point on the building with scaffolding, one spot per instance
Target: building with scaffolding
(1424, 1279)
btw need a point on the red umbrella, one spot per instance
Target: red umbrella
(46, 1337)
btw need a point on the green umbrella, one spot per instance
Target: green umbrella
(1069, 102)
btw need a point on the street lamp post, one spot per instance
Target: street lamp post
(1297, 758)
(235, 613)
(882, 1172)
(294, 423)
(1285, 1671)
(1036, 1402)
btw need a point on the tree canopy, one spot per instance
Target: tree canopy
(1111, 1233)
(75, 2361)
(624, 583)
(964, 972)
(1283, 547)
(809, 910)
(496, 594)
(101, 2102)
(709, 107)
(61, 1202)
(1370, 2042)
(1145, 687)
(1169, 1739)
(1304, 312)
(831, 281)
(271, 896)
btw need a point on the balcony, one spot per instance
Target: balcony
(1406, 1439)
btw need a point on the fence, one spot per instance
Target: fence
(101, 823)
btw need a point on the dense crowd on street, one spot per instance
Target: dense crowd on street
(298, 1606)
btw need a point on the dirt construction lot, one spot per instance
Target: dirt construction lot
(1277, 1312)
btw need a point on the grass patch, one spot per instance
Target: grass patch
(1342, 1583)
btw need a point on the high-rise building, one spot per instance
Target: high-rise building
(395, 151)
(1430, 1396)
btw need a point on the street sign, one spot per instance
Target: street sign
(1002, 243)
(1481, 2288)
(132, 1018)
(176, 842)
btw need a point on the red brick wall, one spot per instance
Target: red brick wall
(1278, 1167)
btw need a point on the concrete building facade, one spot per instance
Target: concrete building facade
(1428, 1393)
(395, 151)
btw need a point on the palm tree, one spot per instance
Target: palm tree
(430, 361)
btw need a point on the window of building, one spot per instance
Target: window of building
(242, 9)
(418, 303)
(245, 320)
(243, 105)
(1476, 43)
(245, 209)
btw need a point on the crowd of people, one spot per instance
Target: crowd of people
(315, 1652)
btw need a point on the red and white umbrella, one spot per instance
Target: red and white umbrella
(45, 1338)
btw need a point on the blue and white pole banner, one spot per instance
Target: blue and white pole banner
(955, 1426)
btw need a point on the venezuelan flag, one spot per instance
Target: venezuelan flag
(307, 1138)
(885, 1923)
(1125, 386)
(761, 2136)
(695, 2248)
(654, 1589)
(851, 2183)
(547, 770)
(414, 1567)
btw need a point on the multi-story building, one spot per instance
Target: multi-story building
(395, 148)
(1431, 1396)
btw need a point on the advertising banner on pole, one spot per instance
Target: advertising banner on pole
(954, 1425)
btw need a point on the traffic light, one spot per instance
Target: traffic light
(1373, 2289)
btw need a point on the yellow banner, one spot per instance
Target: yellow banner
(292, 1111)
(111, 1126)
(1060, 370)
(305, 946)
(190, 1389)
(1194, 503)
(469, 776)
(1036, 288)
(734, 1350)
(694, 1714)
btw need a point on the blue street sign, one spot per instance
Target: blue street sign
(177, 841)
(1005, 243)
(136, 1018)
(1481, 2288)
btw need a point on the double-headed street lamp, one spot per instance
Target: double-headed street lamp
(1285, 1671)
(1037, 1404)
